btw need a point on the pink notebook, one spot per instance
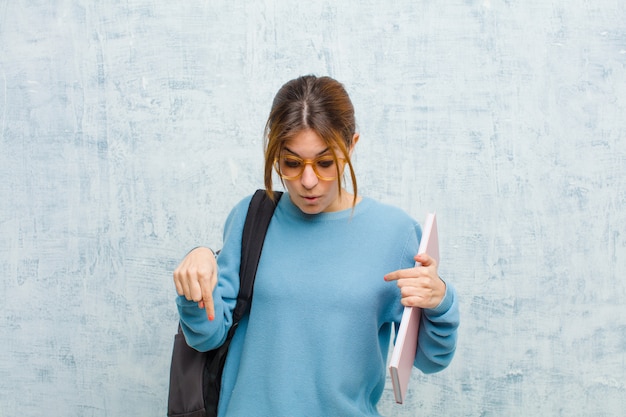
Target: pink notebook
(404, 351)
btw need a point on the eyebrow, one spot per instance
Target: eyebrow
(292, 152)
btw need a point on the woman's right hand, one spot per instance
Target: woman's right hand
(196, 277)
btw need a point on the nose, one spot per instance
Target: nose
(309, 178)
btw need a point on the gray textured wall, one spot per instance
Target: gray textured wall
(129, 129)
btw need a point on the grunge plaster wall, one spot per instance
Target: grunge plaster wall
(129, 129)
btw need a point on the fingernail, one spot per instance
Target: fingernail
(211, 318)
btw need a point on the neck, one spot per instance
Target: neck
(346, 200)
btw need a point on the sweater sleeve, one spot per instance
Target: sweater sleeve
(200, 333)
(438, 334)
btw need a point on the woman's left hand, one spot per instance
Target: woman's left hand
(420, 286)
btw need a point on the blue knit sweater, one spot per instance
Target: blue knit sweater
(316, 340)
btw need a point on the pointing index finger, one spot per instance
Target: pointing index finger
(396, 275)
(207, 300)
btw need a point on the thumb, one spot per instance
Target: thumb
(424, 259)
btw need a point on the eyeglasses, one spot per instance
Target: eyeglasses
(291, 167)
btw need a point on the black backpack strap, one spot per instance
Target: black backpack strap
(260, 214)
(195, 377)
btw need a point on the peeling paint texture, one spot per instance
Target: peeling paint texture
(129, 129)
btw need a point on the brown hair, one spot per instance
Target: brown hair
(309, 102)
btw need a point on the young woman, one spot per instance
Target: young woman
(335, 273)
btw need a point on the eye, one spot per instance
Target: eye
(291, 162)
(326, 162)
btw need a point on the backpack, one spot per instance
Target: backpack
(196, 377)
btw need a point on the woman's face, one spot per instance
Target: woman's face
(309, 193)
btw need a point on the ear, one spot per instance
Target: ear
(355, 139)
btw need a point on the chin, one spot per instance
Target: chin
(310, 209)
